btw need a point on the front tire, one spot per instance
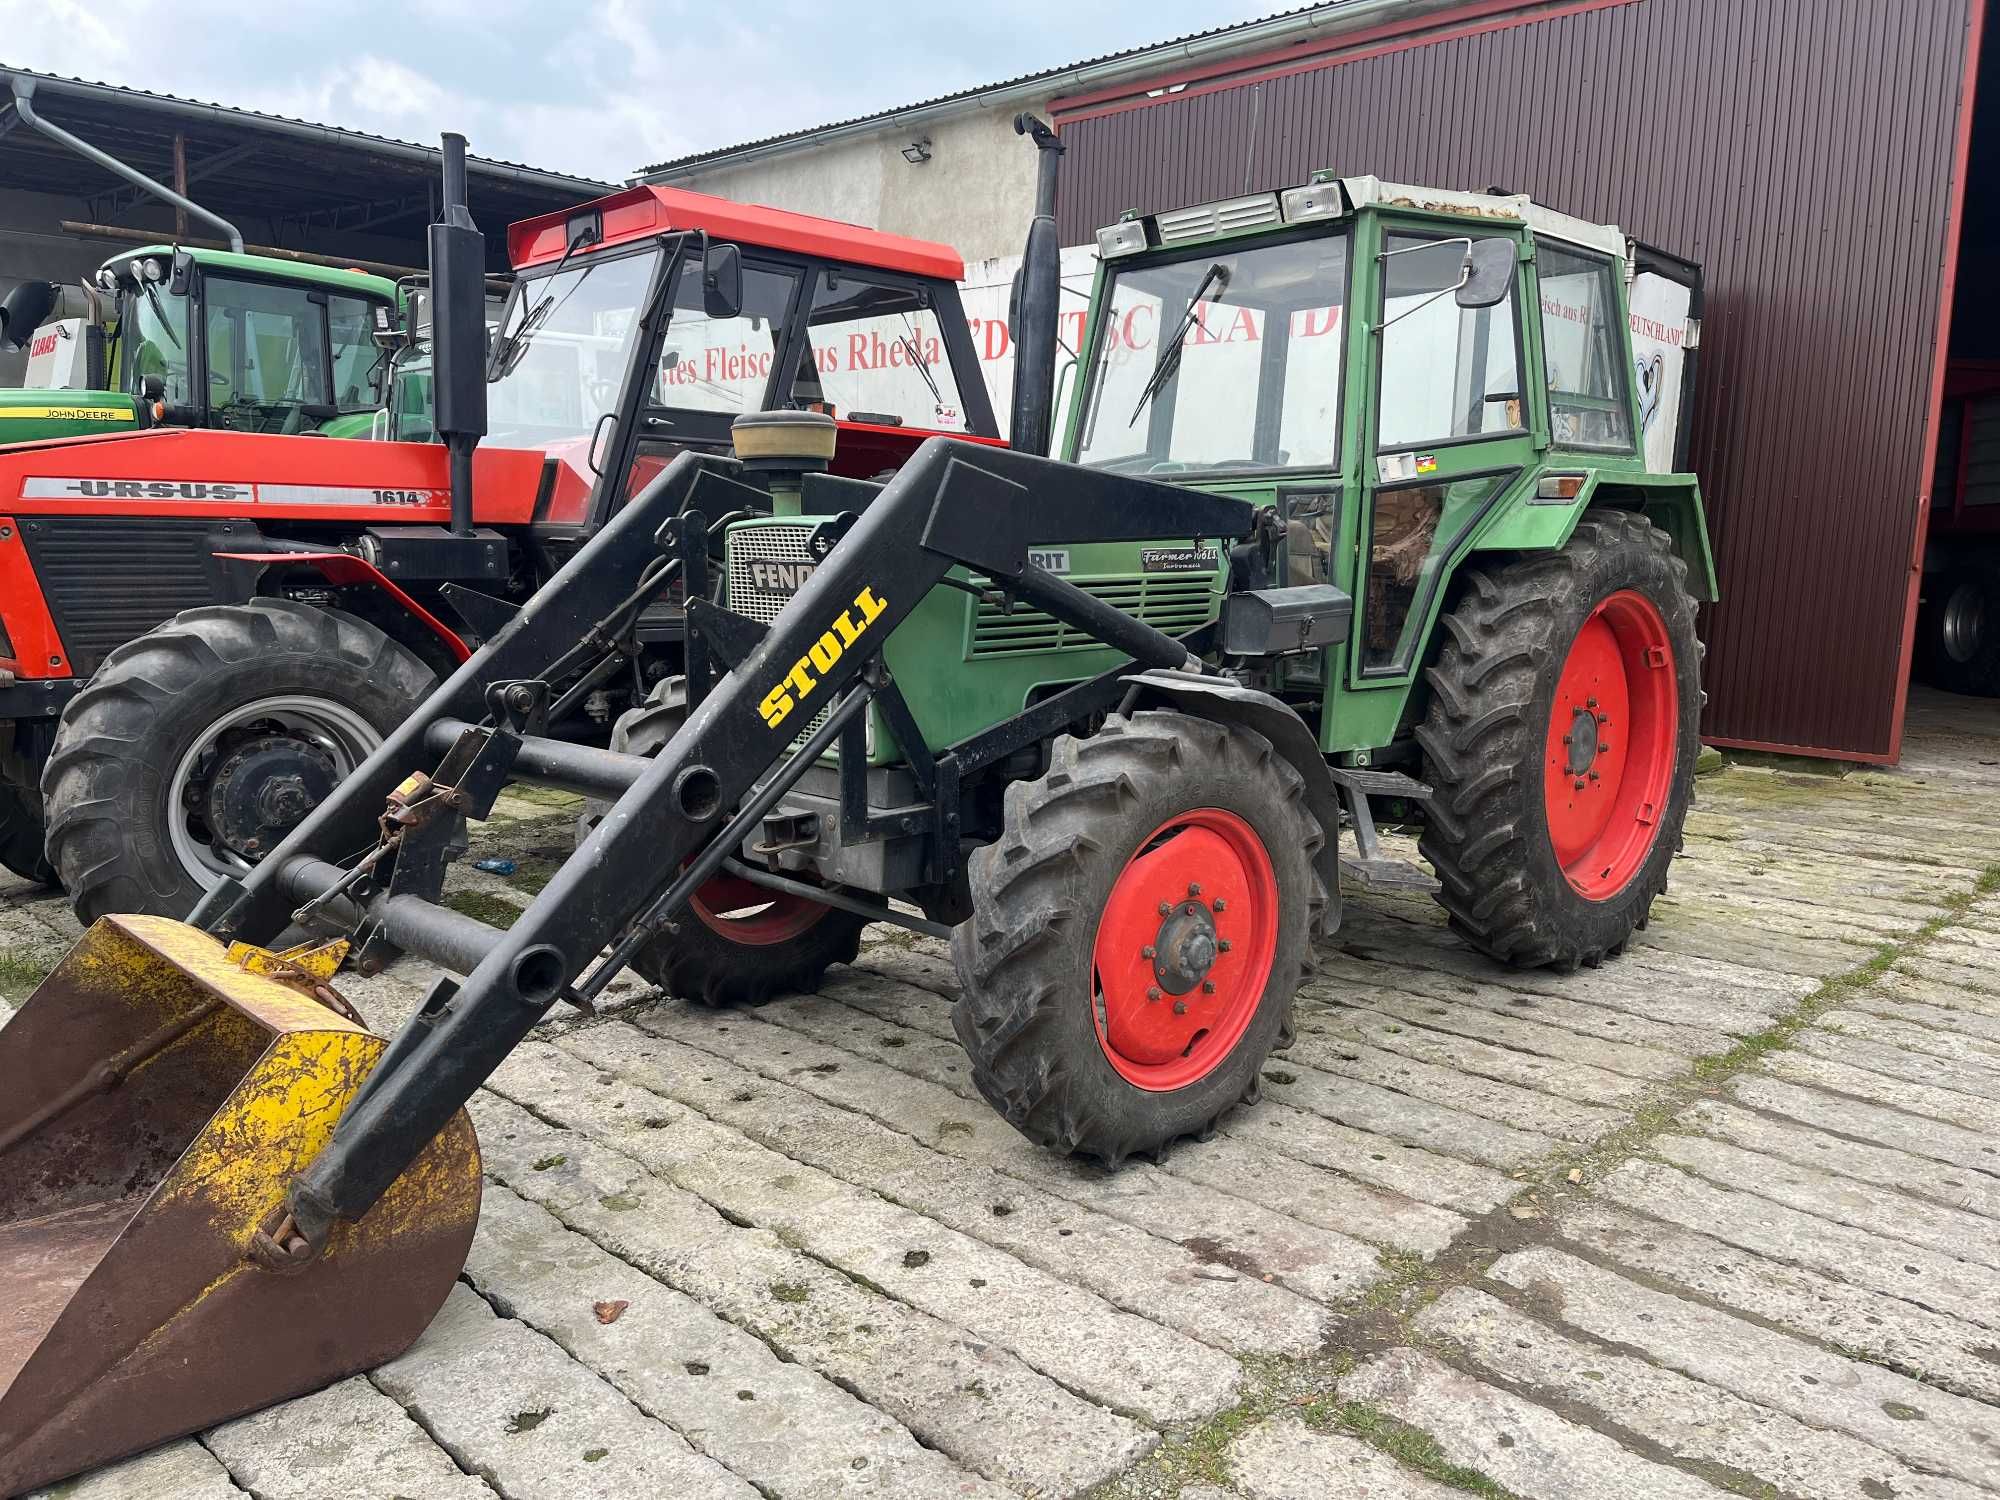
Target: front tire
(1561, 742)
(22, 835)
(737, 943)
(200, 744)
(1138, 935)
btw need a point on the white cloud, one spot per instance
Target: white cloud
(597, 89)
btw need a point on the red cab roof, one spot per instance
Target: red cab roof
(640, 212)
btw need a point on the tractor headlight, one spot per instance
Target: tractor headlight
(1126, 237)
(1316, 200)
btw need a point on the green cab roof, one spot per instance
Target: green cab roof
(334, 279)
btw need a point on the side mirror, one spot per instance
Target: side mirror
(722, 281)
(24, 310)
(180, 279)
(1489, 273)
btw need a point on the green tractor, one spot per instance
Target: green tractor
(1353, 522)
(201, 338)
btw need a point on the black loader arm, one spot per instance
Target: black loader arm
(953, 503)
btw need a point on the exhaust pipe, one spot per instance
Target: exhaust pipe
(458, 332)
(1033, 308)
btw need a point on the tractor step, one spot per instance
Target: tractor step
(1385, 874)
(1381, 783)
(1369, 867)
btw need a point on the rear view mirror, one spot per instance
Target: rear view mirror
(1489, 273)
(24, 310)
(180, 278)
(722, 281)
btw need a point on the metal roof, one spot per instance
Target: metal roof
(1282, 25)
(286, 181)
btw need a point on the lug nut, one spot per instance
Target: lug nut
(1219, 903)
(1222, 945)
(1579, 783)
(1568, 738)
(1152, 992)
(1193, 889)
(1594, 776)
(1166, 908)
(1590, 702)
(1208, 986)
(1147, 951)
(1604, 718)
(1180, 1007)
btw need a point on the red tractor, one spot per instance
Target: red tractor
(203, 632)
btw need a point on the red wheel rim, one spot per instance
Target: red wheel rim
(1184, 949)
(1614, 733)
(749, 914)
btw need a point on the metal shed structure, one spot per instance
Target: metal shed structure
(1812, 154)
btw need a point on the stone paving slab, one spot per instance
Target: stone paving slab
(1715, 1218)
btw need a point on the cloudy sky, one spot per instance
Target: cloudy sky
(598, 89)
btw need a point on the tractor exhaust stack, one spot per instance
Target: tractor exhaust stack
(1035, 306)
(458, 331)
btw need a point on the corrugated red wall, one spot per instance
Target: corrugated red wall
(1802, 150)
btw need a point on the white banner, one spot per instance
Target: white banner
(1659, 350)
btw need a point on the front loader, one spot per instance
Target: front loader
(1091, 720)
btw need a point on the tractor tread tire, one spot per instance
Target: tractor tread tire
(1024, 959)
(23, 839)
(1504, 647)
(119, 739)
(693, 962)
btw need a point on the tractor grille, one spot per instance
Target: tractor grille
(1175, 603)
(766, 566)
(109, 580)
(761, 560)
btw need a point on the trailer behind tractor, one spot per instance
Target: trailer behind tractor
(1353, 510)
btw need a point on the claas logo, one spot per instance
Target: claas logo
(798, 684)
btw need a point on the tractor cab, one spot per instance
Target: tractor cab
(1409, 375)
(206, 338)
(643, 324)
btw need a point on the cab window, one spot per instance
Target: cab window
(875, 352)
(266, 348)
(1580, 344)
(723, 364)
(1448, 373)
(358, 365)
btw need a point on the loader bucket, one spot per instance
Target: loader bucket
(156, 1099)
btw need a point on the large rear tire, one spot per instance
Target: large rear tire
(22, 836)
(1561, 742)
(736, 944)
(199, 745)
(1139, 931)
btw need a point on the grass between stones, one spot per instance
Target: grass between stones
(1381, 1318)
(21, 970)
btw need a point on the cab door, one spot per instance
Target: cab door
(1449, 423)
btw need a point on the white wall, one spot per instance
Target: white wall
(975, 193)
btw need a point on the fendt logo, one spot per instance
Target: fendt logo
(779, 577)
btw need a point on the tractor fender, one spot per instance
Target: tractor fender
(1671, 502)
(1228, 702)
(344, 569)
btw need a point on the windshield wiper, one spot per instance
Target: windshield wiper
(1170, 353)
(166, 323)
(908, 341)
(510, 353)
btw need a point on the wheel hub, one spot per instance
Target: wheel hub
(1582, 738)
(1185, 949)
(260, 790)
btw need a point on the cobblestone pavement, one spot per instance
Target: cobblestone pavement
(1720, 1216)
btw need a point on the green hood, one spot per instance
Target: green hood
(26, 416)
